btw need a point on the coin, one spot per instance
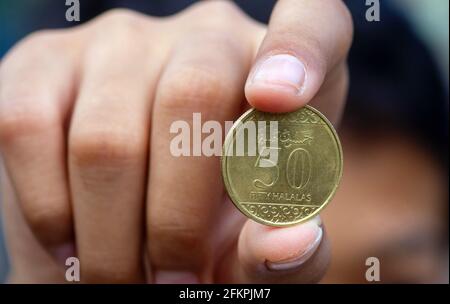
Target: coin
(294, 172)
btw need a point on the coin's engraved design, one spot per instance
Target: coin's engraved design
(301, 181)
(285, 197)
(304, 116)
(288, 139)
(279, 213)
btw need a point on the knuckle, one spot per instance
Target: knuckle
(120, 18)
(219, 13)
(192, 88)
(113, 15)
(124, 30)
(183, 236)
(42, 44)
(168, 250)
(43, 38)
(105, 148)
(44, 220)
(21, 121)
(220, 8)
(168, 231)
(32, 50)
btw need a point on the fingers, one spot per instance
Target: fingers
(206, 76)
(29, 262)
(108, 145)
(305, 41)
(33, 109)
(297, 254)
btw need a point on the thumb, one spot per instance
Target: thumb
(304, 42)
(295, 254)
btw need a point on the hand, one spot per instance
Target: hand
(84, 133)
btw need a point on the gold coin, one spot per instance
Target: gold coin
(281, 169)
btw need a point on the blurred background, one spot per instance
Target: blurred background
(397, 115)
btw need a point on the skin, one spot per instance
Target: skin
(84, 130)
